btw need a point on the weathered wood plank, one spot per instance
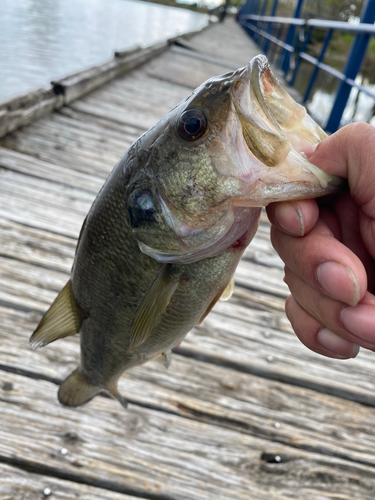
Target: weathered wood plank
(35, 246)
(77, 140)
(18, 484)
(217, 395)
(184, 70)
(136, 100)
(43, 204)
(28, 165)
(24, 109)
(159, 455)
(227, 42)
(81, 154)
(226, 337)
(78, 84)
(89, 123)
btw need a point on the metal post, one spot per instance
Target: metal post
(264, 7)
(356, 54)
(304, 47)
(316, 70)
(256, 12)
(246, 9)
(290, 38)
(252, 5)
(273, 13)
(263, 27)
(275, 49)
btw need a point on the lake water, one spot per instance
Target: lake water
(360, 107)
(43, 40)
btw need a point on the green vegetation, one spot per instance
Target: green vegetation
(338, 50)
(338, 10)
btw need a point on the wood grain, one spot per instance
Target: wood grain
(19, 484)
(157, 453)
(21, 110)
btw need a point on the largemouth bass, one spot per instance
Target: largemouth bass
(163, 238)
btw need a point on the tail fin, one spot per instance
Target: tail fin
(75, 391)
(120, 398)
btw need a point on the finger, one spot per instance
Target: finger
(323, 263)
(367, 232)
(314, 336)
(354, 324)
(350, 219)
(295, 218)
(350, 153)
(330, 220)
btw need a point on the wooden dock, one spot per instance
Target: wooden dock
(244, 412)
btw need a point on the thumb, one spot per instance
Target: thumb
(350, 153)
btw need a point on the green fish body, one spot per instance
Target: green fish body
(165, 234)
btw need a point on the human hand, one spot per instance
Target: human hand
(328, 247)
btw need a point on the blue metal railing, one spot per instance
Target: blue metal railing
(269, 33)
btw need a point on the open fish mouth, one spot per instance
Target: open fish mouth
(276, 130)
(242, 138)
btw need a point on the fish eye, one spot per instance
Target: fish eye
(192, 124)
(141, 208)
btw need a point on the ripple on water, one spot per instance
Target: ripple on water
(42, 41)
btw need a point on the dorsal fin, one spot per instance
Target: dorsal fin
(154, 303)
(63, 318)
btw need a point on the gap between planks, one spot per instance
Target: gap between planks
(152, 447)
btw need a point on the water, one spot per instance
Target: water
(360, 107)
(43, 40)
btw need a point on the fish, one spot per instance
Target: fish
(162, 240)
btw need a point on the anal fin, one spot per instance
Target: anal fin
(76, 391)
(63, 318)
(164, 358)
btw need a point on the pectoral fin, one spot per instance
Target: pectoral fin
(154, 303)
(63, 318)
